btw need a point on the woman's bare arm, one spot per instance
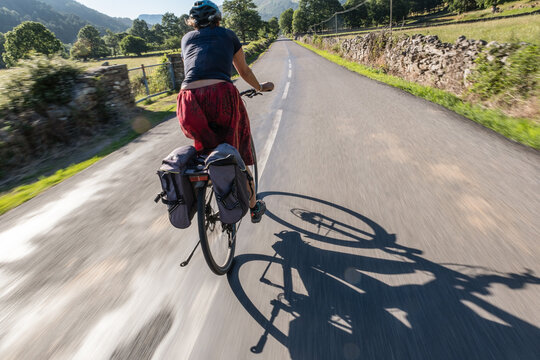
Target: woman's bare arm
(239, 62)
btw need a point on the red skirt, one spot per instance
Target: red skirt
(213, 115)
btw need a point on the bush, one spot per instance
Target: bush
(27, 93)
(133, 45)
(257, 47)
(508, 74)
(37, 83)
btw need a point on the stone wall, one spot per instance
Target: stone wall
(178, 68)
(100, 97)
(114, 82)
(423, 59)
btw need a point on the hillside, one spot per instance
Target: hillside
(65, 19)
(92, 16)
(270, 8)
(151, 19)
(13, 12)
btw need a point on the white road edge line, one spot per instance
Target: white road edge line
(286, 92)
(270, 142)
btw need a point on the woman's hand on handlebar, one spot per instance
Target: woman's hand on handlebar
(267, 86)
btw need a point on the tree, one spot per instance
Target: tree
(173, 43)
(2, 41)
(184, 27)
(242, 17)
(378, 11)
(112, 41)
(300, 22)
(311, 12)
(91, 38)
(26, 38)
(140, 29)
(81, 50)
(157, 34)
(133, 45)
(171, 24)
(273, 26)
(357, 17)
(484, 4)
(461, 6)
(285, 21)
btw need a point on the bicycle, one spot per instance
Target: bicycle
(217, 240)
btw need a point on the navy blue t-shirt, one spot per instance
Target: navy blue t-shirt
(208, 53)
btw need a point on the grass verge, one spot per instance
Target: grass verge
(153, 113)
(522, 130)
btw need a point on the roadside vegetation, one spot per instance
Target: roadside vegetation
(523, 130)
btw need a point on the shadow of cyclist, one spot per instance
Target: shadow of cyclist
(357, 306)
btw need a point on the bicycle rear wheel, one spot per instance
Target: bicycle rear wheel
(218, 240)
(253, 168)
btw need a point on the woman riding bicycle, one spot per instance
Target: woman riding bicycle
(210, 109)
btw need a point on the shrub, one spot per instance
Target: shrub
(38, 82)
(256, 47)
(27, 93)
(505, 75)
(133, 45)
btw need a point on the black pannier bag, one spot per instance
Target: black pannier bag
(230, 181)
(177, 192)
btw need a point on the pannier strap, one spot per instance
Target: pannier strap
(221, 198)
(161, 196)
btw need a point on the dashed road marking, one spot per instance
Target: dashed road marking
(286, 92)
(270, 141)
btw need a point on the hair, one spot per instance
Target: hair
(193, 23)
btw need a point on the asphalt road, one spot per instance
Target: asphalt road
(396, 230)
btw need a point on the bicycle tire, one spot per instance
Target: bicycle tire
(221, 235)
(255, 169)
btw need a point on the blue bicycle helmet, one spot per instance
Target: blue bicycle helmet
(204, 12)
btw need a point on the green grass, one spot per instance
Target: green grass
(521, 130)
(24, 193)
(504, 30)
(155, 112)
(133, 62)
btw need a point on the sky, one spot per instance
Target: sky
(133, 8)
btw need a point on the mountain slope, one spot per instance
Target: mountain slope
(63, 17)
(13, 12)
(92, 16)
(271, 8)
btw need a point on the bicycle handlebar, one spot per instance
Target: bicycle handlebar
(250, 93)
